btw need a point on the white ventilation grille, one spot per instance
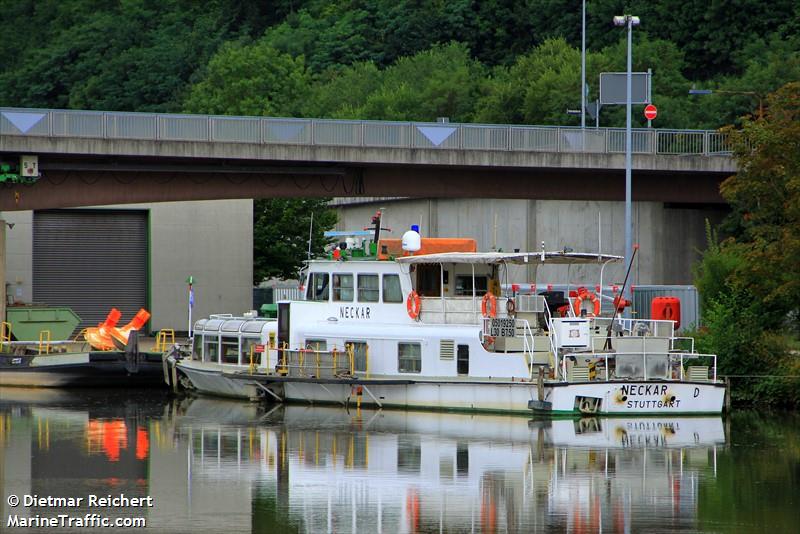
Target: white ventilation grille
(447, 349)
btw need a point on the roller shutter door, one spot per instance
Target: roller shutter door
(91, 261)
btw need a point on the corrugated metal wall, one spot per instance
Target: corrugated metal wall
(690, 305)
(91, 261)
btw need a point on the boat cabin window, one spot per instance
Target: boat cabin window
(200, 325)
(343, 287)
(429, 280)
(359, 355)
(409, 358)
(391, 288)
(368, 289)
(254, 326)
(230, 350)
(317, 286)
(232, 325)
(248, 342)
(464, 285)
(317, 344)
(210, 349)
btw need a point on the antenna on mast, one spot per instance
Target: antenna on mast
(376, 222)
(310, 231)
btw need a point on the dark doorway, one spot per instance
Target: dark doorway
(283, 325)
(429, 280)
(462, 359)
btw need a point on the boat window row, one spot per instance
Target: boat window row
(227, 340)
(347, 286)
(409, 355)
(430, 278)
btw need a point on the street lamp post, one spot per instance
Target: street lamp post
(583, 65)
(629, 21)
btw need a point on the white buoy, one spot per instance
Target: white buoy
(412, 241)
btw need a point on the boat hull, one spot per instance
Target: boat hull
(213, 382)
(625, 397)
(607, 398)
(79, 370)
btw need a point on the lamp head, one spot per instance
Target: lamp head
(622, 20)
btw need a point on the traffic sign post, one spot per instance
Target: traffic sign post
(650, 113)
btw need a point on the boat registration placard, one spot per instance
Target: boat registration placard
(503, 327)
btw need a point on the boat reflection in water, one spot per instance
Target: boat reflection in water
(222, 466)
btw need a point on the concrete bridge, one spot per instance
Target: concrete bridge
(97, 158)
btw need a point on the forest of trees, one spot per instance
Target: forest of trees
(499, 61)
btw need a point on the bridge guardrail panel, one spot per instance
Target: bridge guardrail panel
(131, 126)
(337, 133)
(478, 137)
(677, 142)
(586, 140)
(718, 144)
(34, 122)
(287, 131)
(435, 135)
(642, 141)
(76, 124)
(183, 128)
(236, 129)
(532, 138)
(387, 134)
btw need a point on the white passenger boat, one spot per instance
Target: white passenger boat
(427, 329)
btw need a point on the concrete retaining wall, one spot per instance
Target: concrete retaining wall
(669, 237)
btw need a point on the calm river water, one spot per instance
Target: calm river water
(215, 466)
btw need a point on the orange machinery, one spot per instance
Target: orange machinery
(106, 335)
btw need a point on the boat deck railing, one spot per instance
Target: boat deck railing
(636, 327)
(44, 346)
(605, 366)
(310, 362)
(456, 310)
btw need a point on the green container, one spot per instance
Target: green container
(28, 321)
(268, 310)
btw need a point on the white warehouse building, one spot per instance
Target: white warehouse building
(133, 256)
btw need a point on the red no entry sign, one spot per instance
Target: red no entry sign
(650, 112)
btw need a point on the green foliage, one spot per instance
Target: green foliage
(766, 193)
(441, 82)
(709, 33)
(750, 283)
(737, 332)
(715, 268)
(339, 93)
(250, 80)
(537, 89)
(136, 55)
(513, 62)
(280, 235)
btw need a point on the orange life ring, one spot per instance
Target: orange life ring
(413, 304)
(489, 305)
(586, 295)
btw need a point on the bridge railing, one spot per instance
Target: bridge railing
(380, 134)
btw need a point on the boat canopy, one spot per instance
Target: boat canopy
(491, 258)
